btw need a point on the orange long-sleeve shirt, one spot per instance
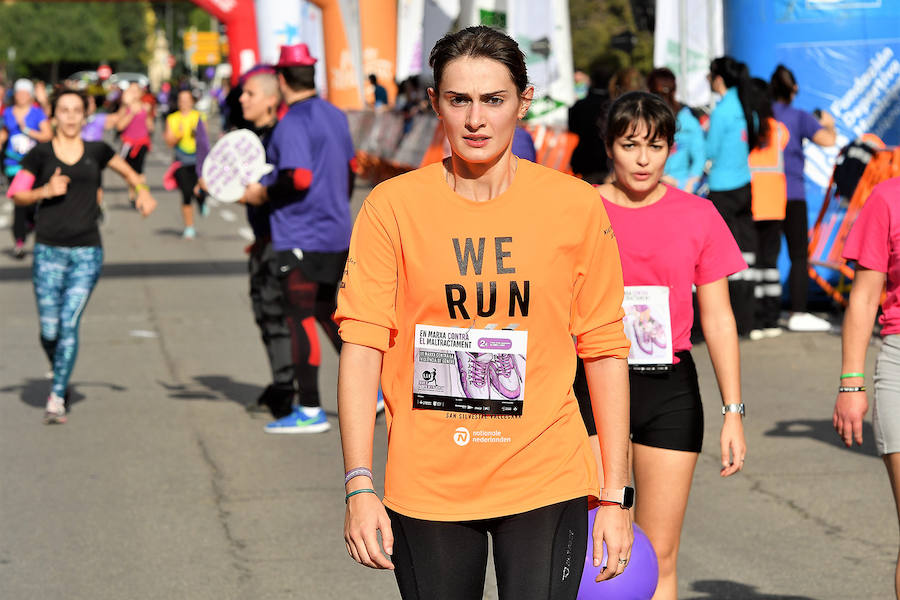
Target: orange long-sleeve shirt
(541, 258)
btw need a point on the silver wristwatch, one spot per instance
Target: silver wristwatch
(734, 408)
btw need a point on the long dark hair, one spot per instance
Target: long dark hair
(479, 42)
(661, 82)
(762, 106)
(736, 75)
(633, 108)
(783, 84)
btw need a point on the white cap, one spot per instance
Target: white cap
(24, 85)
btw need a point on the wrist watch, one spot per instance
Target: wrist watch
(733, 408)
(624, 497)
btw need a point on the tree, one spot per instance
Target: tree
(595, 22)
(47, 34)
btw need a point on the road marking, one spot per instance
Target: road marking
(228, 215)
(143, 333)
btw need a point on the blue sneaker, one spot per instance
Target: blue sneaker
(379, 403)
(297, 422)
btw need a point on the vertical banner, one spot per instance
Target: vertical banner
(689, 35)
(278, 24)
(410, 31)
(312, 35)
(440, 15)
(542, 32)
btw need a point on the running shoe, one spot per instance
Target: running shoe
(379, 403)
(642, 337)
(19, 250)
(204, 210)
(473, 374)
(658, 334)
(505, 376)
(55, 412)
(807, 322)
(189, 233)
(297, 422)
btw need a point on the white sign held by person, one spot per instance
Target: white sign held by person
(237, 160)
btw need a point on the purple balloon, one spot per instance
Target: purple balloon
(638, 582)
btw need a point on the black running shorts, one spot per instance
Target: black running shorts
(666, 411)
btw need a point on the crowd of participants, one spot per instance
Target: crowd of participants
(746, 156)
(380, 287)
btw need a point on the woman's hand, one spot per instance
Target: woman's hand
(612, 525)
(849, 410)
(145, 203)
(58, 184)
(734, 448)
(365, 517)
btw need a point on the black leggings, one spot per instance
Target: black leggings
(267, 300)
(307, 302)
(23, 221)
(734, 206)
(186, 178)
(796, 234)
(538, 555)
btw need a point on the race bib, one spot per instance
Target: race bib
(648, 327)
(236, 160)
(478, 371)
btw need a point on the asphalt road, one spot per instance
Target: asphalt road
(163, 485)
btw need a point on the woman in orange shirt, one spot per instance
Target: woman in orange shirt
(465, 283)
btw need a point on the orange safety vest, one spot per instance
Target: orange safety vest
(767, 181)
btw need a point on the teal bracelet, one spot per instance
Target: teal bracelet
(849, 375)
(355, 492)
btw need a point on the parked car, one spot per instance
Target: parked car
(123, 80)
(83, 79)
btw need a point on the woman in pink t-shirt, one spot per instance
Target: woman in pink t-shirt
(874, 243)
(669, 241)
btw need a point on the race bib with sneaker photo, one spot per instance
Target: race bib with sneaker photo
(648, 326)
(479, 371)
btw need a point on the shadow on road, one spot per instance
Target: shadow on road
(730, 590)
(823, 431)
(221, 387)
(34, 391)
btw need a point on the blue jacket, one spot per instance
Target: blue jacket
(689, 153)
(726, 145)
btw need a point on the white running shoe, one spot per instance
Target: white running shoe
(474, 376)
(757, 334)
(807, 322)
(771, 332)
(55, 412)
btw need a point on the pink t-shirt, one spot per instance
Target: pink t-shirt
(137, 128)
(874, 242)
(678, 241)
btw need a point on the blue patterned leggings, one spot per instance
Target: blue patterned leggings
(63, 280)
